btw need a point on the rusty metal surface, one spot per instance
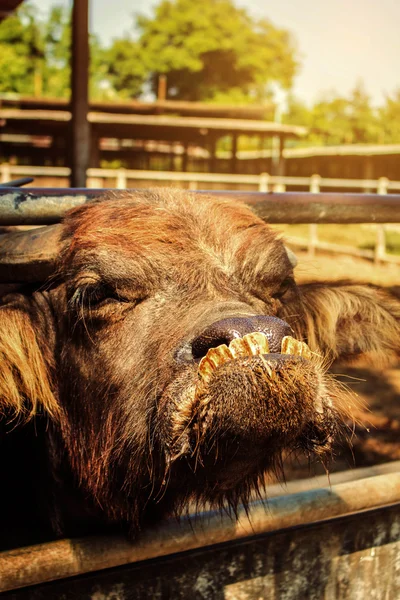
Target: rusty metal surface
(65, 558)
(27, 256)
(43, 206)
(352, 558)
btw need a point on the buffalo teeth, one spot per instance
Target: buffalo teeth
(214, 357)
(256, 342)
(251, 344)
(295, 347)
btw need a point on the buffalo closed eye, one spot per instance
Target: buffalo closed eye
(286, 287)
(96, 296)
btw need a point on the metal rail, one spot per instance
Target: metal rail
(66, 558)
(43, 206)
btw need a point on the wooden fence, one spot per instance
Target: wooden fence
(125, 178)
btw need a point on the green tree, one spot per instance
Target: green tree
(389, 119)
(208, 50)
(123, 66)
(21, 53)
(35, 54)
(336, 119)
(57, 40)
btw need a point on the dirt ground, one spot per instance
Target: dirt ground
(377, 434)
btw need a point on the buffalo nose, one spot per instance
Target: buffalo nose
(226, 330)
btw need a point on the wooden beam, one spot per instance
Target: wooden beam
(79, 93)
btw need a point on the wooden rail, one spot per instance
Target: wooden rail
(263, 182)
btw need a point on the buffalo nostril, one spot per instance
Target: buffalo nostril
(275, 329)
(226, 330)
(220, 332)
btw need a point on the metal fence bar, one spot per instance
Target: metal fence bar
(67, 558)
(42, 206)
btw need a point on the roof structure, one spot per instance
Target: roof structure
(152, 127)
(158, 107)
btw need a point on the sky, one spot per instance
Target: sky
(341, 42)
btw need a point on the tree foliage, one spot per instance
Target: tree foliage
(210, 51)
(207, 49)
(21, 52)
(35, 54)
(336, 119)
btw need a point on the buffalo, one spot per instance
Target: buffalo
(167, 357)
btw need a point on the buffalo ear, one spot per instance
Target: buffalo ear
(347, 321)
(25, 387)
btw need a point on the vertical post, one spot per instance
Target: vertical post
(262, 160)
(211, 164)
(234, 153)
(263, 182)
(121, 179)
(185, 157)
(315, 187)
(278, 161)
(383, 184)
(380, 238)
(171, 157)
(192, 186)
(79, 93)
(95, 182)
(5, 172)
(281, 160)
(368, 173)
(162, 88)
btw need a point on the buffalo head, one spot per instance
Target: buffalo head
(175, 356)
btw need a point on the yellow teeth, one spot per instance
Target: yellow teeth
(292, 346)
(251, 344)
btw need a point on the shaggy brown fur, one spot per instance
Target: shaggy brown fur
(24, 376)
(105, 351)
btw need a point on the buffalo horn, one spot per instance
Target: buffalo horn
(28, 256)
(292, 257)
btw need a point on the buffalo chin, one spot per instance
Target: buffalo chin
(223, 434)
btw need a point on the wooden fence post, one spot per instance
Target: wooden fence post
(192, 186)
(96, 183)
(263, 182)
(279, 187)
(5, 173)
(380, 239)
(315, 185)
(121, 179)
